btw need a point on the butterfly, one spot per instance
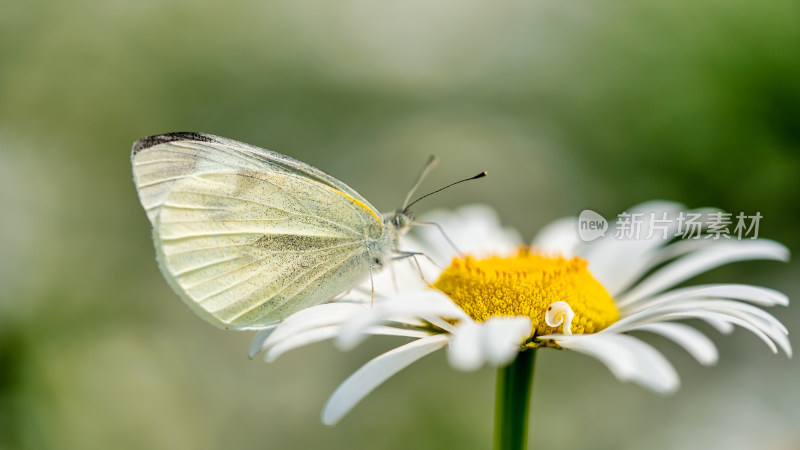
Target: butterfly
(248, 236)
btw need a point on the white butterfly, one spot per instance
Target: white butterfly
(247, 236)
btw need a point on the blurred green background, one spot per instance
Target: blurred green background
(568, 105)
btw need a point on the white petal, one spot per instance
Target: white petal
(718, 322)
(496, 341)
(753, 294)
(757, 295)
(466, 350)
(754, 319)
(755, 330)
(655, 258)
(314, 317)
(682, 303)
(703, 260)
(475, 229)
(748, 312)
(693, 341)
(628, 358)
(757, 317)
(257, 344)
(712, 317)
(375, 372)
(503, 337)
(438, 321)
(299, 340)
(618, 359)
(675, 249)
(656, 373)
(411, 304)
(329, 332)
(616, 263)
(559, 237)
(722, 326)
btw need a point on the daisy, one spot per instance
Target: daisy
(497, 301)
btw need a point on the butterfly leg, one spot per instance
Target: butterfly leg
(446, 237)
(403, 254)
(413, 255)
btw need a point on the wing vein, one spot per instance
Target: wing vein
(193, 207)
(163, 180)
(255, 261)
(215, 233)
(195, 269)
(286, 285)
(172, 222)
(156, 161)
(295, 213)
(202, 249)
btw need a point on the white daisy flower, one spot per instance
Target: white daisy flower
(503, 298)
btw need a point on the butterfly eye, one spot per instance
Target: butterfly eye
(400, 220)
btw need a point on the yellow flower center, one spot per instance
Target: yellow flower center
(526, 285)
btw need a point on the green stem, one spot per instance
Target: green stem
(512, 402)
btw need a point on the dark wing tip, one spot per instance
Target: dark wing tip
(151, 141)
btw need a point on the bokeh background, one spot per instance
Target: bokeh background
(568, 105)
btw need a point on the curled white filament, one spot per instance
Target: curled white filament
(560, 314)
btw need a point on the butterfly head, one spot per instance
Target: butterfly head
(401, 220)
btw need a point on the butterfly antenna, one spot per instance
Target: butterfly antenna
(480, 175)
(430, 165)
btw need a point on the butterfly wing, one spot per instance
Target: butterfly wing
(161, 161)
(247, 246)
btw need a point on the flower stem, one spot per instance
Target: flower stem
(512, 402)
